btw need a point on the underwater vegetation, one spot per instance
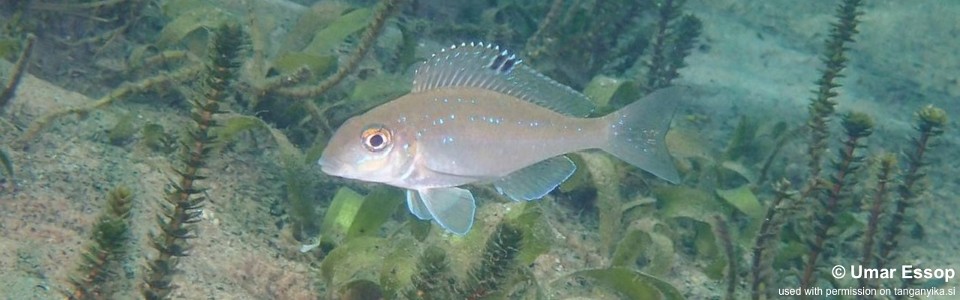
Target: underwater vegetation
(185, 196)
(98, 273)
(739, 216)
(803, 228)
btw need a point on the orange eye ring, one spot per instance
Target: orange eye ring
(376, 138)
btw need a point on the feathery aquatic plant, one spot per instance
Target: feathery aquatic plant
(185, 197)
(111, 233)
(930, 123)
(834, 197)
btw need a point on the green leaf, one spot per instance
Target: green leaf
(714, 270)
(579, 179)
(376, 209)
(357, 259)
(743, 142)
(320, 15)
(629, 284)
(790, 253)
(123, 131)
(378, 89)
(744, 200)
(681, 201)
(6, 164)
(419, 229)
(536, 234)
(740, 170)
(661, 254)
(339, 217)
(230, 128)
(705, 242)
(330, 37)
(399, 266)
(608, 91)
(629, 249)
(188, 22)
(317, 64)
(9, 49)
(609, 202)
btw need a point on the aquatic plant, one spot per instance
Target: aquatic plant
(6, 166)
(433, 280)
(834, 206)
(16, 73)
(103, 20)
(675, 37)
(96, 275)
(885, 175)
(834, 195)
(768, 239)
(370, 34)
(645, 41)
(497, 265)
(154, 137)
(930, 124)
(822, 106)
(352, 225)
(185, 197)
(189, 19)
(123, 131)
(180, 76)
(435, 267)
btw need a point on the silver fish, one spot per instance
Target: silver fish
(477, 114)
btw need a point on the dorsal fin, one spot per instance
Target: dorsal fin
(489, 67)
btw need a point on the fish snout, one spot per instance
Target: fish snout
(329, 166)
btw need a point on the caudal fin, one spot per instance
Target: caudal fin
(637, 132)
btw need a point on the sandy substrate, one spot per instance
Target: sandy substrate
(759, 59)
(63, 176)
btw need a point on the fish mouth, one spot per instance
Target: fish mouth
(330, 167)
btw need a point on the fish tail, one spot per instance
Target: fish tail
(636, 133)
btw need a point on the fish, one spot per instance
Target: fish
(476, 114)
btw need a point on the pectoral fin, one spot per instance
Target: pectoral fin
(452, 208)
(535, 181)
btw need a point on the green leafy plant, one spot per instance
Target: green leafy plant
(6, 166)
(96, 276)
(184, 197)
(19, 68)
(157, 139)
(786, 237)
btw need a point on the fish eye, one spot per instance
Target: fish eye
(375, 138)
